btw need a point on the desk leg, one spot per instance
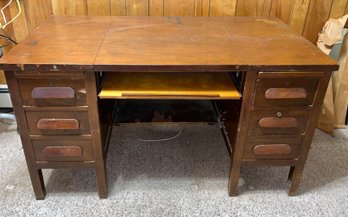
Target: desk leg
(238, 150)
(296, 171)
(102, 181)
(37, 182)
(34, 173)
(294, 179)
(93, 113)
(235, 169)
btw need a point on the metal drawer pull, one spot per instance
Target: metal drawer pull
(275, 122)
(53, 92)
(58, 124)
(62, 151)
(272, 149)
(286, 93)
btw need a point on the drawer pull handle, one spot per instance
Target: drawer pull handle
(53, 92)
(58, 124)
(275, 122)
(286, 93)
(62, 151)
(272, 149)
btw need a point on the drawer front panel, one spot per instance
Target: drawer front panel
(278, 122)
(275, 148)
(284, 91)
(52, 92)
(61, 123)
(63, 150)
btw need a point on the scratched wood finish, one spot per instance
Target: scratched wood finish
(216, 41)
(75, 48)
(300, 15)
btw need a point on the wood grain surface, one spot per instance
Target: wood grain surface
(223, 41)
(195, 42)
(169, 85)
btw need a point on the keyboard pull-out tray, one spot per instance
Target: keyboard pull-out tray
(168, 85)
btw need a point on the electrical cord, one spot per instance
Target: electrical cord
(8, 38)
(162, 139)
(9, 41)
(4, 16)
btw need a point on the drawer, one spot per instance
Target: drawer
(278, 122)
(63, 149)
(53, 123)
(284, 89)
(273, 148)
(52, 92)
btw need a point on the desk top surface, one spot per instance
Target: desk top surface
(168, 43)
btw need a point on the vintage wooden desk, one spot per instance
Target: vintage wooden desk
(267, 82)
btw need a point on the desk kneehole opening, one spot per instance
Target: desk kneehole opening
(169, 85)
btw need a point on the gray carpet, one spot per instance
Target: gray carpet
(186, 176)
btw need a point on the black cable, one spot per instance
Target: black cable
(8, 38)
(8, 44)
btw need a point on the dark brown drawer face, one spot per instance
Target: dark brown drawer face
(52, 92)
(276, 148)
(278, 122)
(63, 150)
(293, 91)
(62, 123)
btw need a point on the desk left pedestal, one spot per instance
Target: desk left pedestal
(60, 122)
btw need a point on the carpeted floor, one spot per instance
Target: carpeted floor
(186, 176)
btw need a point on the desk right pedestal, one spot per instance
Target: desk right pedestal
(277, 120)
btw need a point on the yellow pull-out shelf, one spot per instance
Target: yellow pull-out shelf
(168, 85)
